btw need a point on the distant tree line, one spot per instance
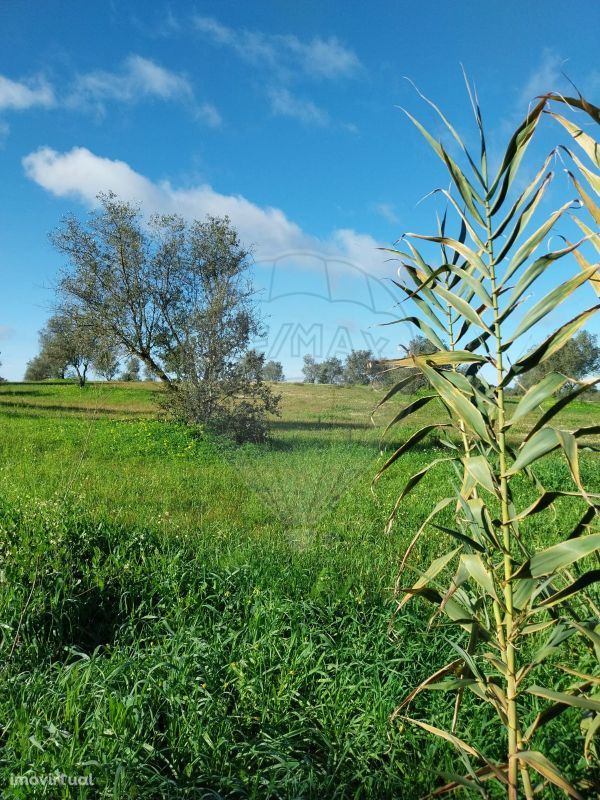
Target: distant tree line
(361, 367)
(577, 359)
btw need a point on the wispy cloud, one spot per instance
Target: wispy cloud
(209, 115)
(21, 95)
(387, 211)
(286, 104)
(82, 174)
(546, 77)
(137, 79)
(317, 58)
(287, 59)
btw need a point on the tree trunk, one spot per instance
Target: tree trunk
(149, 362)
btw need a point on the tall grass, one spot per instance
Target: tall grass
(174, 626)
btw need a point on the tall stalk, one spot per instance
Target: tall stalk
(461, 304)
(506, 641)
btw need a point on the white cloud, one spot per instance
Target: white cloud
(318, 58)
(81, 174)
(546, 77)
(324, 58)
(209, 114)
(286, 104)
(387, 211)
(20, 95)
(137, 79)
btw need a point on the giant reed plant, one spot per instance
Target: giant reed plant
(515, 608)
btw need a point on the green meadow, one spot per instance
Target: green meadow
(182, 617)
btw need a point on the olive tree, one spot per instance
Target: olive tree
(273, 372)
(175, 295)
(358, 367)
(68, 340)
(577, 359)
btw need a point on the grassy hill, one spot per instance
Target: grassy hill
(183, 617)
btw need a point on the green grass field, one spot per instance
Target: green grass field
(181, 617)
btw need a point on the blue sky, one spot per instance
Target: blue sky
(282, 115)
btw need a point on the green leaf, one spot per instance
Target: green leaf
(440, 673)
(576, 102)
(550, 346)
(440, 506)
(590, 727)
(593, 237)
(451, 129)
(584, 264)
(530, 244)
(425, 329)
(541, 443)
(408, 445)
(531, 274)
(442, 358)
(479, 469)
(394, 390)
(434, 569)
(591, 147)
(461, 275)
(560, 634)
(586, 199)
(577, 701)
(457, 402)
(471, 230)
(523, 219)
(523, 197)
(591, 178)
(593, 634)
(410, 409)
(468, 253)
(545, 501)
(460, 744)
(514, 153)
(459, 536)
(424, 306)
(479, 572)
(549, 303)
(536, 395)
(451, 685)
(568, 444)
(582, 582)
(522, 592)
(465, 188)
(410, 485)
(561, 403)
(547, 770)
(456, 781)
(537, 627)
(463, 308)
(558, 556)
(553, 711)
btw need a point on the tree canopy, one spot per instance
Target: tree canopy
(173, 294)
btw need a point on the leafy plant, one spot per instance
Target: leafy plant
(515, 608)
